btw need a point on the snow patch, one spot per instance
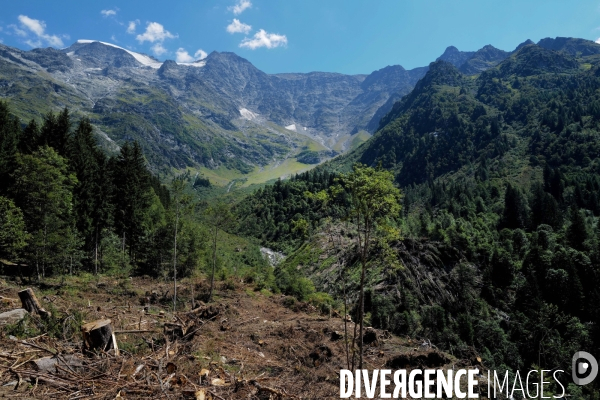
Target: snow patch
(141, 58)
(70, 53)
(247, 114)
(197, 64)
(291, 127)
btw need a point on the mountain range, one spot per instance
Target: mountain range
(221, 115)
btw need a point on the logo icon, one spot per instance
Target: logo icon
(584, 368)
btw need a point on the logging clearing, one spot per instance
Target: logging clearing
(107, 340)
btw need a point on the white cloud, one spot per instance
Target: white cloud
(264, 39)
(34, 25)
(598, 40)
(34, 43)
(200, 54)
(158, 49)
(182, 56)
(238, 27)
(114, 39)
(38, 28)
(132, 25)
(155, 32)
(240, 6)
(108, 13)
(18, 31)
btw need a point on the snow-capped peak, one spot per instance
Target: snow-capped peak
(141, 58)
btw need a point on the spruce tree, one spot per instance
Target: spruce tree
(30, 139)
(132, 184)
(544, 208)
(577, 231)
(515, 209)
(83, 162)
(56, 131)
(9, 140)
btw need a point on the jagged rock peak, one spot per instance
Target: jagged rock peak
(455, 56)
(525, 43)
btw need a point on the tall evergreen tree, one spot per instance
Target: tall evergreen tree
(56, 131)
(577, 231)
(544, 208)
(10, 131)
(132, 184)
(30, 139)
(84, 162)
(515, 209)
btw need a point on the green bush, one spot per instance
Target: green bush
(322, 301)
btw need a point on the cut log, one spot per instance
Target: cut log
(99, 336)
(31, 303)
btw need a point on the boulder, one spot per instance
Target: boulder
(13, 316)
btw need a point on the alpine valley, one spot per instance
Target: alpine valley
(253, 234)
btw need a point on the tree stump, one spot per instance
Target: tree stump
(98, 335)
(31, 303)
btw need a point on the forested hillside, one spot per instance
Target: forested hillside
(499, 244)
(66, 207)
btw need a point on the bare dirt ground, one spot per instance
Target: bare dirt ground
(243, 345)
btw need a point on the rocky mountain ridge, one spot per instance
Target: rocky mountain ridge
(220, 111)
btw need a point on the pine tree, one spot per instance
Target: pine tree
(10, 131)
(515, 213)
(577, 231)
(554, 183)
(131, 182)
(30, 139)
(56, 131)
(544, 208)
(84, 159)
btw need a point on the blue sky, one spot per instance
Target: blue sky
(344, 36)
